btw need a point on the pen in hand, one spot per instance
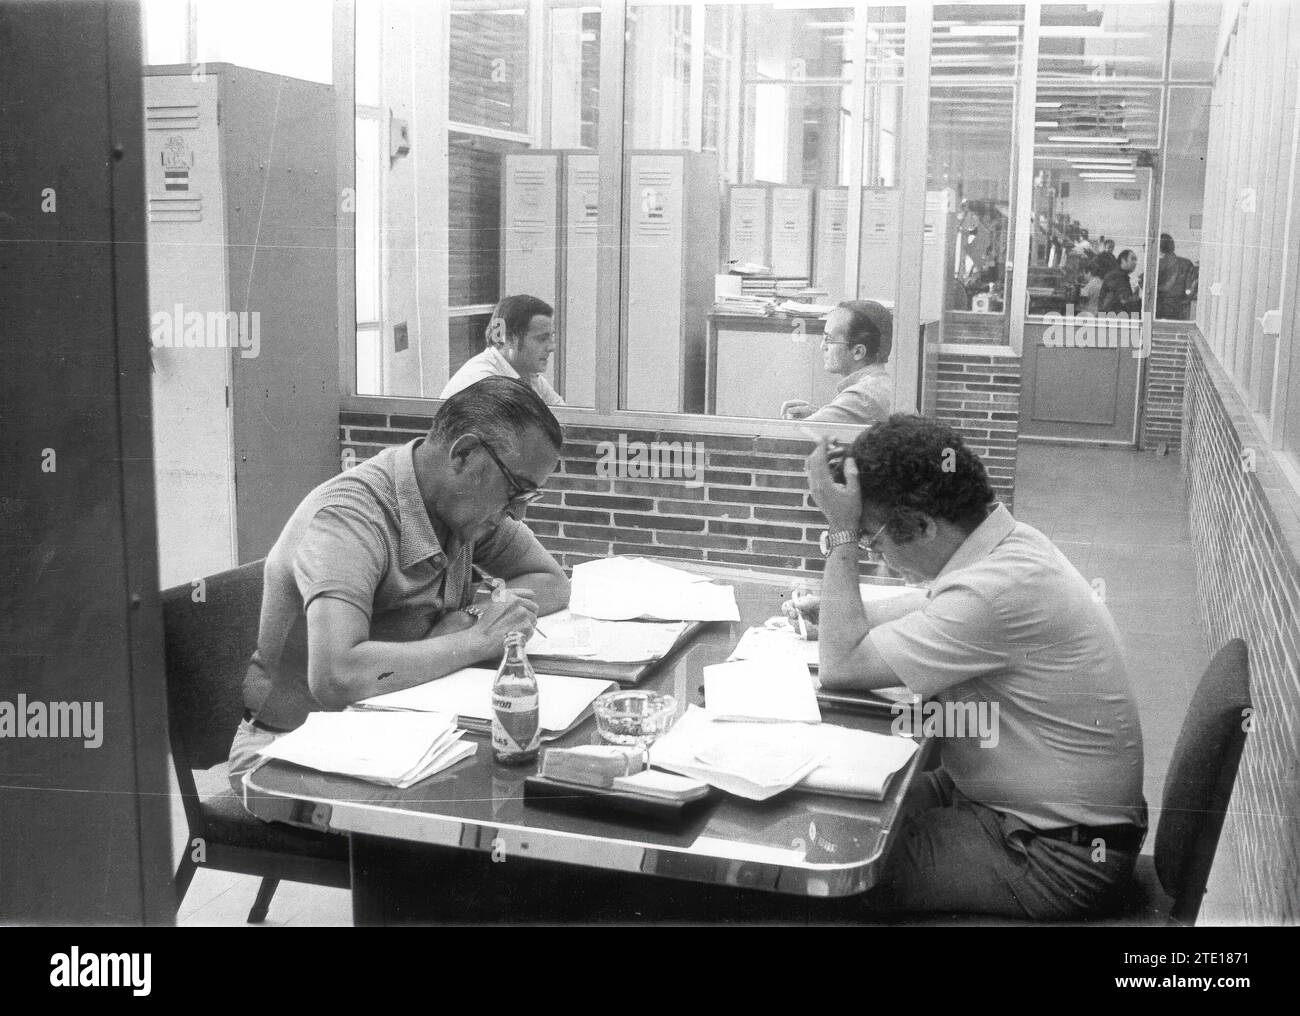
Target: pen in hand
(798, 591)
(499, 592)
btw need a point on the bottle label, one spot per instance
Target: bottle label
(515, 723)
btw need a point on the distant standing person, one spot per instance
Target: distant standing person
(856, 342)
(520, 340)
(1175, 281)
(1106, 260)
(1117, 293)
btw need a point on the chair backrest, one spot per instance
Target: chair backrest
(209, 641)
(1200, 780)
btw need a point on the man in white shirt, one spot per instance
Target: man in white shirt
(855, 345)
(520, 341)
(1044, 819)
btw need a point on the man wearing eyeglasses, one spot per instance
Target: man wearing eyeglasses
(1040, 816)
(369, 588)
(856, 340)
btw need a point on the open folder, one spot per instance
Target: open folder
(760, 760)
(562, 701)
(394, 749)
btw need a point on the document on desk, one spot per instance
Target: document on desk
(570, 636)
(758, 761)
(751, 760)
(775, 689)
(857, 763)
(394, 749)
(467, 694)
(632, 588)
(777, 637)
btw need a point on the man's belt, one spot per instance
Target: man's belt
(1125, 836)
(248, 715)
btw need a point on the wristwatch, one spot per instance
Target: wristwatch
(828, 541)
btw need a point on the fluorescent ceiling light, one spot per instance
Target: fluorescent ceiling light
(1090, 139)
(1048, 105)
(1101, 159)
(1108, 177)
(984, 30)
(1085, 32)
(1046, 123)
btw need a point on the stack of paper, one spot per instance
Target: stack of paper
(627, 588)
(758, 761)
(563, 702)
(776, 689)
(395, 749)
(569, 636)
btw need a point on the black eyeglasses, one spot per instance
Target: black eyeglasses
(521, 494)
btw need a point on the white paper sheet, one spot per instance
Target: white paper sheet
(468, 694)
(571, 636)
(778, 688)
(395, 749)
(760, 760)
(628, 588)
(762, 643)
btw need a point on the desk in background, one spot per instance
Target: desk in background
(462, 846)
(754, 364)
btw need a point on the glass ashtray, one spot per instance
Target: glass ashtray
(634, 717)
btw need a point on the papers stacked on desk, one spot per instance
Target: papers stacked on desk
(562, 701)
(569, 636)
(395, 749)
(628, 588)
(758, 761)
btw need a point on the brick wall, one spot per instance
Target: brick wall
(753, 509)
(1162, 403)
(968, 327)
(1246, 539)
(979, 395)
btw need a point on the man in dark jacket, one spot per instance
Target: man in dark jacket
(1117, 293)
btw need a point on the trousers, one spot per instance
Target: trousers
(956, 855)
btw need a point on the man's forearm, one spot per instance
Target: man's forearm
(842, 622)
(373, 668)
(550, 589)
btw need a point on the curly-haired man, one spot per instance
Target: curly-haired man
(1044, 819)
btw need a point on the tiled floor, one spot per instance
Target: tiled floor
(1119, 516)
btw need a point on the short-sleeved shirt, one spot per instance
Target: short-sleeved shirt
(492, 363)
(865, 396)
(1009, 620)
(364, 537)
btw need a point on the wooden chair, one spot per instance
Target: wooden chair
(209, 640)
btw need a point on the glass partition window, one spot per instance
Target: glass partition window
(1093, 149)
(1181, 206)
(1100, 42)
(759, 181)
(739, 146)
(1191, 45)
(489, 72)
